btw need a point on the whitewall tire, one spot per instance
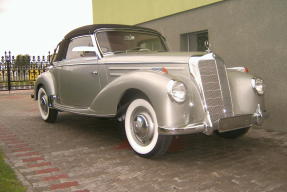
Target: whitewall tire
(141, 129)
(48, 114)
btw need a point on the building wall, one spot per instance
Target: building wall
(250, 33)
(137, 11)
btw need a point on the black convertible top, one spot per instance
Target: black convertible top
(90, 29)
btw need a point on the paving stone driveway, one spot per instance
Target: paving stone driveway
(85, 154)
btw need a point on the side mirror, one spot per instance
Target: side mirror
(84, 48)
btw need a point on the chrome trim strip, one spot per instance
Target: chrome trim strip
(79, 61)
(228, 85)
(241, 69)
(220, 84)
(145, 63)
(96, 46)
(143, 68)
(127, 29)
(75, 64)
(79, 37)
(86, 111)
(175, 68)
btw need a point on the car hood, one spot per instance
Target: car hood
(152, 58)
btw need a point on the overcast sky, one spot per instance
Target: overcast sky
(36, 26)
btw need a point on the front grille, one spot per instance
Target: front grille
(215, 89)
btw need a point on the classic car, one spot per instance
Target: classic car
(127, 73)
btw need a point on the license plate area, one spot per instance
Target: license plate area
(236, 122)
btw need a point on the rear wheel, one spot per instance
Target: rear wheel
(142, 130)
(48, 114)
(234, 134)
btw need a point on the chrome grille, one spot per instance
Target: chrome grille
(215, 88)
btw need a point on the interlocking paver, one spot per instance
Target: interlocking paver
(32, 159)
(64, 185)
(88, 154)
(39, 164)
(48, 170)
(55, 177)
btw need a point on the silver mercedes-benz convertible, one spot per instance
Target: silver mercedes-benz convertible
(127, 73)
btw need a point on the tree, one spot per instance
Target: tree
(22, 60)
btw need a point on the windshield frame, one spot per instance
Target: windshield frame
(162, 39)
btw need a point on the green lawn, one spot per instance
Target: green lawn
(8, 179)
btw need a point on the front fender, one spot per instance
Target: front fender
(46, 80)
(154, 86)
(245, 100)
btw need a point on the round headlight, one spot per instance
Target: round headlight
(258, 85)
(176, 90)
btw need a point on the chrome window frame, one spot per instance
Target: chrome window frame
(92, 41)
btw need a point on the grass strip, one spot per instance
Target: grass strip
(8, 179)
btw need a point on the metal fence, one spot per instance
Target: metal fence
(15, 75)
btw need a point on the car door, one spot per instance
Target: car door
(79, 74)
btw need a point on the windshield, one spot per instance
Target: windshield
(112, 42)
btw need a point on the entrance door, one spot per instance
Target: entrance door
(79, 74)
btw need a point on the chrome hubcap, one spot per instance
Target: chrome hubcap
(142, 128)
(44, 104)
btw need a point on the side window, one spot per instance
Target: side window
(60, 51)
(77, 46)
(193, 41)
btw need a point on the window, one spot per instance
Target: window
(129, 41)
(193, 41)
(83, 41)
(60, 51)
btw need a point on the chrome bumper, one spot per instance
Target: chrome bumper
(223, 125)
(189, 129)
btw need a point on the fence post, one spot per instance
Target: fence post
(49, 57)
(8, 59)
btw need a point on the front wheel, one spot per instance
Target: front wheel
(48, 114)
(142, 130)
(234, 134)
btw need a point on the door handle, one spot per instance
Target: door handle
(95, 73)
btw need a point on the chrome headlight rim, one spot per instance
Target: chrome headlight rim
(174, 94)
(258, 85)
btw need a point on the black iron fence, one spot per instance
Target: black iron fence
(18, 73)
